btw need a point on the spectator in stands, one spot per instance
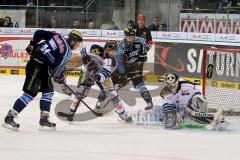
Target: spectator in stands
(185, 4)
(112, 26)
(30, 3)
(8, 22)
(130, 23)
(155, 25)
(53, 22)
(2, 22)
(142, 30)
(225, 3)
(75, 24)
(236, 3)
(163, 27)
(52, 3)
(91, 24)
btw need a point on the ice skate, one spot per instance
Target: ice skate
(9, 122)
(125, 117)
(44, 122)
(149, 106)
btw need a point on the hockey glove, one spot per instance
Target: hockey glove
(123, 80)
(30, 48)
(61, 81)
(97, 77)
(142, 59)
(90, 63)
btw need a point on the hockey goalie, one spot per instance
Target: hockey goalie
(184, 103)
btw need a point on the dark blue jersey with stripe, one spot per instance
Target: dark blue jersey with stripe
(55, 47)
(129, 54)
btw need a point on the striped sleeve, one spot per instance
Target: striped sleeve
(106, 70)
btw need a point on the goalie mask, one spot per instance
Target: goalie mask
(172, 81)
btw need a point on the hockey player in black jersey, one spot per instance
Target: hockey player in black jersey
(131, 56)
(49, 52)
(142, 31)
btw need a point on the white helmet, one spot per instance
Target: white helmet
(172, 81)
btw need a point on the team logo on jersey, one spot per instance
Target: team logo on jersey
(95, 51)
(144, 33)
(59, 42)
(185, 92)
(137, 46)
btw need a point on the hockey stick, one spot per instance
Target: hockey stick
(120, 86)
(80, 100)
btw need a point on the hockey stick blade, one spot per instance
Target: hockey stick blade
(63, 114)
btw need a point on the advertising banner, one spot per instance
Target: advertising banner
(210, 23)
(185, 59)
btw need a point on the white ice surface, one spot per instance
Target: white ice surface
(106, 138)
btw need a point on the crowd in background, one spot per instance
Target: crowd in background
(76, 24)
(208, 4)
(60, 18)
(6, 22)
(186, 4)
(44, 2)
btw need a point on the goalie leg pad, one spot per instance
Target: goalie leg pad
(170, 115)
(200, 117)
(198, 103)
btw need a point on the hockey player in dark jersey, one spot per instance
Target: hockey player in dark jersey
(131, 56)
(99, 63)
(143, 31)
(49, 52)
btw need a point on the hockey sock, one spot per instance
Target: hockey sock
(46, 100)
(144, 92)
(22, 102)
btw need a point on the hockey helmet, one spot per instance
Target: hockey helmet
(75, 36)
(129, 31)
(172, 81)
(110, 45)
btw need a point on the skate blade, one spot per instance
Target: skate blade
(44, 128)
(7, 126)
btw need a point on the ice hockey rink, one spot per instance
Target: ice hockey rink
(106, 138)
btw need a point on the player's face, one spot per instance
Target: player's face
(140, 23)
(129, 39)
(111, 53)
(75, 45)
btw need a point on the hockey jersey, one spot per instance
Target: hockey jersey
(105, 65)
(55, 47)
(130, 54)
(183, 96)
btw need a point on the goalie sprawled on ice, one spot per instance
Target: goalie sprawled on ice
(184, 103)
